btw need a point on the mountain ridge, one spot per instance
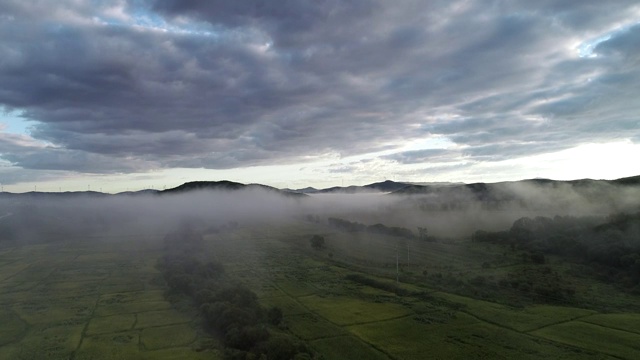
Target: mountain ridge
(387, 186)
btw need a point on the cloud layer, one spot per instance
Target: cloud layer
(129, 86)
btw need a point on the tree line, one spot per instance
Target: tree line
(229, 309)
(610, 246)
(352, 226)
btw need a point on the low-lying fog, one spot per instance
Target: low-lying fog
(447, 213)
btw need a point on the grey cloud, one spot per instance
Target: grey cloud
(132, 143)
(289, 22)
(498, 152)
(342, 169)
(625, 44)
(14, 175)
(21, 151)
(435, 170)
(422, 156)
(575, 15)
(266, 82)
(61, 159)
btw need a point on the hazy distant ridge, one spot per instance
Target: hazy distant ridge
(225, 185)
(482, 191)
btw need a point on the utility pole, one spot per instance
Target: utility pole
(407, 252)
(397, 267)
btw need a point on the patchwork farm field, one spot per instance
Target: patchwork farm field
(73, 301)
(106, 300)
(339, 317)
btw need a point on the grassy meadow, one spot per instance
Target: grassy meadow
(103, 299)
(90, 301)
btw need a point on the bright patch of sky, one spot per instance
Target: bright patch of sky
(141, 18)
(580, 162)
(585, 49)
(436, 142)
(584, 161)
(13, 122)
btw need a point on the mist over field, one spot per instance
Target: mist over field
(451, 256)
(447, 211)
(246, 270)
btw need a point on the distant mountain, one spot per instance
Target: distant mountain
(225, 185)
(434, 183)
(41, 195)
(205, 185)
(529, 193)
(138, 193)
(344, 190)
(488, 193)
(482, 189)
(307, 190)
(633, 180)
(385, 186)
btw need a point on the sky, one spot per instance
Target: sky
(129, 94)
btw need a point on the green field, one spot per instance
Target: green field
(103, 300)
(63, 301)
(310, 327)
(520, 319)
(595, 337)
(463, 337)
(347, 347)
(627, 322)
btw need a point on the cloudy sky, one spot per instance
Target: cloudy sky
(118, 95)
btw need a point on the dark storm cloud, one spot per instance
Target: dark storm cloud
(125, 86)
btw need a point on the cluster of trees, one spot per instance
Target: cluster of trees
(540, 282)
(229, 309)
(401, 291)
(352, 226)
(317, 242)
(382, 285)
(611, 246)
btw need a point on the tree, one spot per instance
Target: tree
(537, 257)
(317, 242)
(274, 315)
(422, 233)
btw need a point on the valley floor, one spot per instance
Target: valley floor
(102, 299)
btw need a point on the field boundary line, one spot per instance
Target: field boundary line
(16, 273)
(577, 318)
(541, 338)
(610, 327)
(135, 321)
(349, 333)
(578, 347)
(84, 329)
(330, 337)
(378, 321)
